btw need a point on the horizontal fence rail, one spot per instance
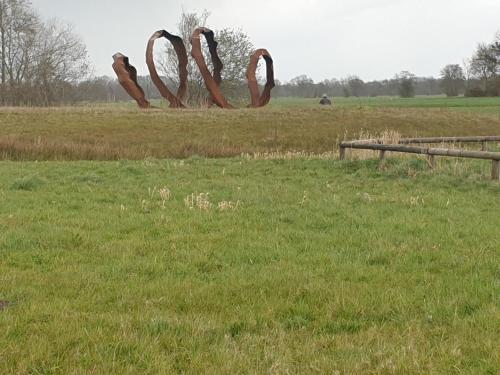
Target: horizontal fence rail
(479, 139)
(430, 140)
(374, 144)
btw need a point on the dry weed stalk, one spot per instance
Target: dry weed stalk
(416, 201)
(305, 198)
(290, 155)
(165, 195)
(200, 201)
(19, 149)
(228, 205)
(387, 137)
(145, 205)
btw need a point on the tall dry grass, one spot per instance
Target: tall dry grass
(110, 134)
(24, 150)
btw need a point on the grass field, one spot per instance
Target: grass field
(489, 106)
(123, 132)
(315, 266)
(194, 258)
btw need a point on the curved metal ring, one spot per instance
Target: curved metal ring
(180, 50)
(258, 99)
(127, 74)
(212, 82)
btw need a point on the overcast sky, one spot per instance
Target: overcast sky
(321, 38)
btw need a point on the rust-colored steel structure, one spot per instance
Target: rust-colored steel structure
(212, 82)
(260, 100)
(127, 74)
(175, 100)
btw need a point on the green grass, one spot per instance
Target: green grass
(485, 106)
(323, 266)
(315, 266)
(489, 106)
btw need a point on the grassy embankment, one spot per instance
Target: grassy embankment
(123, 132)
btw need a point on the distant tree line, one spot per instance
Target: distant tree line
(403, 84)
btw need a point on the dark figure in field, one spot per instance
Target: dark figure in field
(325, 101)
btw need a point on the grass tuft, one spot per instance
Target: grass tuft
(28, 183)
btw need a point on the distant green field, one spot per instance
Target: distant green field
(484, 105)
(489, 106)
(303, 266)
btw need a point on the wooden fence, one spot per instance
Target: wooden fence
(404, 147)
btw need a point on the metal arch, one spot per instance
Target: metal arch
(176, 100)
(127, 76)
(258, 99)
(212, 82)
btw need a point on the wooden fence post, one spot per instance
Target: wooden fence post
(430, 152)
(342, 152)
(432, 161)
(495, 169)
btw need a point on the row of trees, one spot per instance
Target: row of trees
(478, 76)
(404, 84)
(41, 61)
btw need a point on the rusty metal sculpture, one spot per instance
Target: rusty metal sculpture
(127, 74)
(260, 100)
(180, 49)
(212, 82)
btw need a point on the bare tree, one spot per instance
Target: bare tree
(40, 61)
(61, 61)
(234, 49)
(18, 25)
(484, 64)
(168, 64)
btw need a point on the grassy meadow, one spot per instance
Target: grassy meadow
(121, 131)
(193, 242)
